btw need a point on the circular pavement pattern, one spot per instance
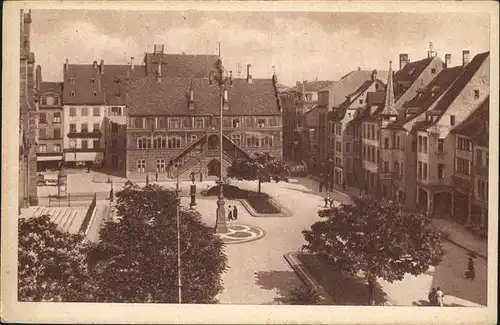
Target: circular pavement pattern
(238, 234)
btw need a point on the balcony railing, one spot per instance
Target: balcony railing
(83, 135)
(71, 150)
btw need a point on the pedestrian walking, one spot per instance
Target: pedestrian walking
(471, 272)
(432, 297)
(343, 185)
(320, 187)
(439, 297)
(235, 213)
(331, 203)
(201, 177)
(327, 200)
(229, 213)
(156, 176)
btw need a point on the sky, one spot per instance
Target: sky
(301, 45)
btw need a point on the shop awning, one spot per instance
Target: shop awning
(49, 158)
(83, 156)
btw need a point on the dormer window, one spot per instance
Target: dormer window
(361, 101)
(92, 80)
(71, 80)
(118, 94)
(72, 93)
(94, 93)
(433, 71)
(476, 93)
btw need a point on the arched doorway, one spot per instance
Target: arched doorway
(213, 142)
(461, 205)
(442, 204)
(422, 200)
(213, 167)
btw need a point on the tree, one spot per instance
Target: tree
(375, 238)
(135, 259)
(263, 168)
(51, 263)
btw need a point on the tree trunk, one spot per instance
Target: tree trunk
(259, 186)
(371, 289)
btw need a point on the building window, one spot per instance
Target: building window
(85, 111)
(57, 118)
(482, 189)
(396, 168)
(440, 145)
(187, 122)
(440, 171)
(92, 80)
(94, 93)
(72, 127)
(143, 143)
(57, 133)
(96, 127)
(433, 71)
(42, 148)
(42, 119)
(160, 165)
(85, 127)
(425, 144)
(476, 94)
(138, 123)
(193, 138)
(85, 144)
(42, 133)
(386, 143)
(236, 122)
(463, 166)
(114, 143)
(452, 120)
(338, 146)
(419, 173)
(267, 142)
(44, 100)
(174, 142)
(72, 93)
(56, 101)
(114, 127)
(96, 144)
(141, 165)
(464, 144)
(160, 142)
(174, 123)
(116, 111)
(252, 141)
(261, 122)
(57, 147)
(161, 123)
(97, 111)
(386, 166)
(236, 138)
(150, 123)
(72, 111)
(71, 80)
(398, 142)
(198, 123)
(347, 147)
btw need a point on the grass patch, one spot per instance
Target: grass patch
(261, 203)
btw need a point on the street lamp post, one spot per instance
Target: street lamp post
(178, 203)
(220, 225)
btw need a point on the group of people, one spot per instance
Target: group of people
(436, 297)
(328, 201)
(232, 213)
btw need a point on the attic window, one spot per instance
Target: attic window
(361, 101)
(433, 71)
(94, 93)
(72, 93)
(92, 80)
(476, 94)
(71, 80)
(118, 95)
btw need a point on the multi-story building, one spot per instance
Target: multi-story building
(173, 123)
(435, 145)
(470, 172)
(377, 137)
(329, 98)
(50, 123)
(343, 136)
(27, 118)
(296, 102)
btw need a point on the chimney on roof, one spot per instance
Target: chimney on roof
(403, 60)
(249, 75)
(302, 91)
(374, 75)
(66, 65)
(158, 48)
(431, 53)
(101, 67)
(94, 64)
(447, 60)
(158, 73)
(131, 63)
(38, 79)
(465, 57)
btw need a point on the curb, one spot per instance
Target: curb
(467, 249)
(253, 213)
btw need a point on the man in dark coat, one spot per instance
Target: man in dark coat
(235, 212)
(229, 213)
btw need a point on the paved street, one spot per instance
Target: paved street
(258, 272)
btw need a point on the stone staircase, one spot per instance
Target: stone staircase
(68, 219)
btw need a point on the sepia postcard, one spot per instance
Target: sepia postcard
(248, 162)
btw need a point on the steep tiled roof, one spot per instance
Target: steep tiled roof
(412, 70)
(460, 83)
(180, 65)
(147, 96)
(82, 86)
(420, 103)
(313, 86)
(476, 123)
(342, 108)
(114, 81)
(49, 86)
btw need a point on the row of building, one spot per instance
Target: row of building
(159, 117)
(418, 135)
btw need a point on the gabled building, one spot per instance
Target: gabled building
(470, 172)
(27, 118)
(50, 123)
(435, 146)
(173, 124)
